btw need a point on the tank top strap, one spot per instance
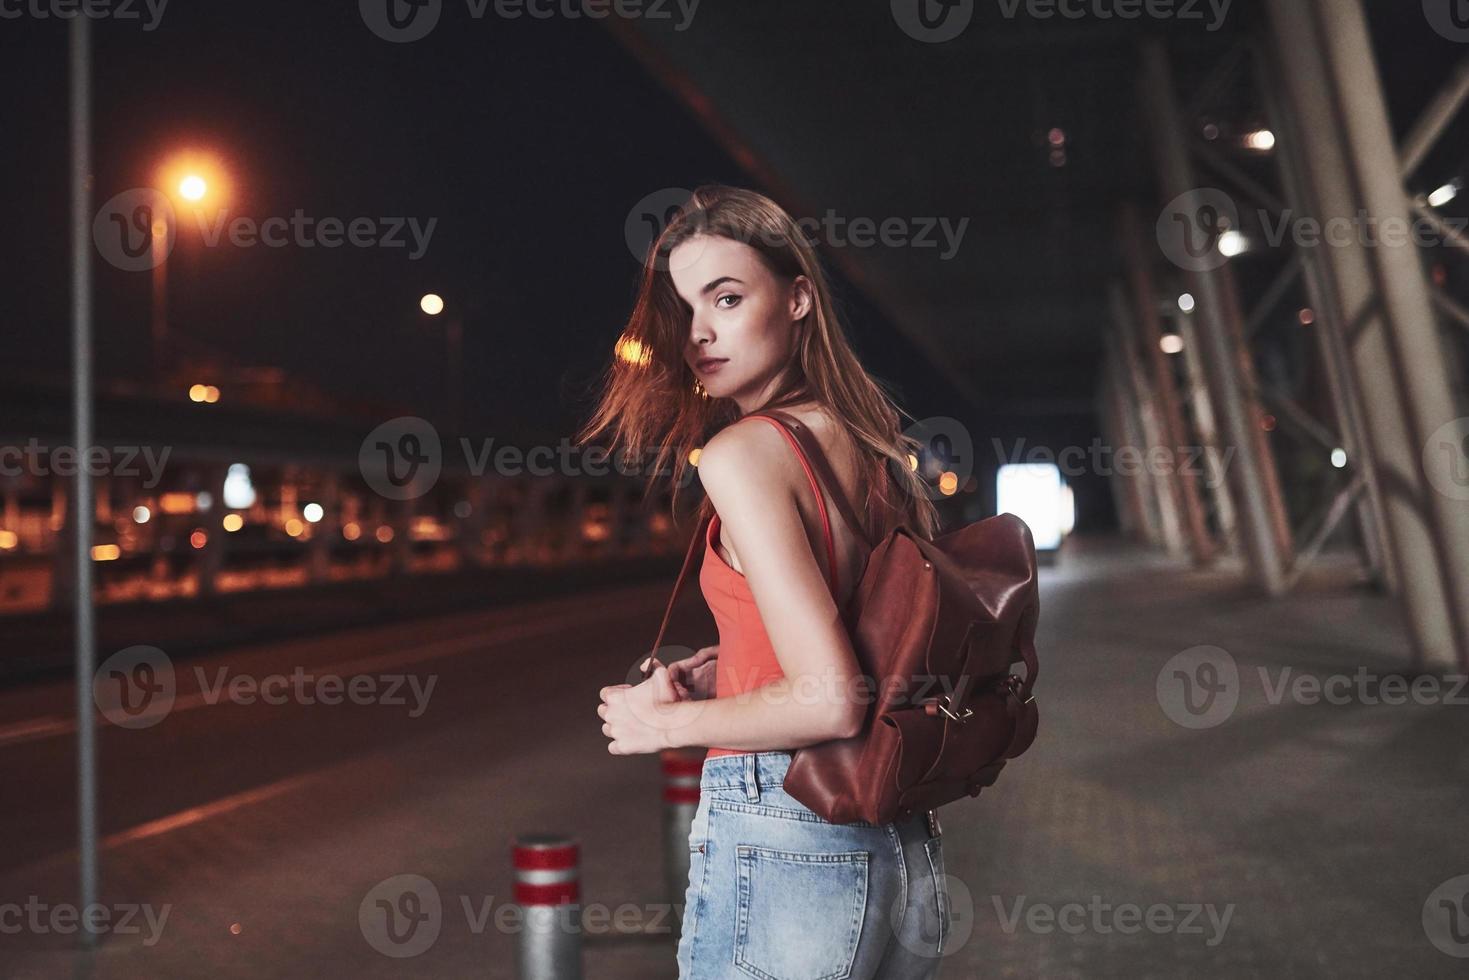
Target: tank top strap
(831, 551)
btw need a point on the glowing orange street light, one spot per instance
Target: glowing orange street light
(193, 188)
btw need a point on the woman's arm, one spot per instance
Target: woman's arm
(752, 477)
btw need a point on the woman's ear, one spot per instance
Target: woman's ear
(802, 298)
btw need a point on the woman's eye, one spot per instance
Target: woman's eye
(729, 296)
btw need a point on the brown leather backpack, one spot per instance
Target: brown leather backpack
(936, 626)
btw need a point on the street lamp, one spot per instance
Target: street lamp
(191, 178)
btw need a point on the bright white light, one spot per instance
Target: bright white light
(1033, 493)
(313, 512)
(1068, 509)
(432, 304)
(1261, 139)
(1444, 194)
(1170, 343)
(1186, 302)
(239, 492)
(193, 187)
(1339, 458)
(141, 514)
(1233, 243)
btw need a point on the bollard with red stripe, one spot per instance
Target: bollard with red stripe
(548, 891)
(681, 773)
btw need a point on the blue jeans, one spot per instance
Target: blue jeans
(776, 892)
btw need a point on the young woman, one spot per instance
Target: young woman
(734, 317)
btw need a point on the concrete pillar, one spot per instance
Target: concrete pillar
(1131, 435)
(1159, 478)
(1181, 482)
(1351, 163)
(1252, 475)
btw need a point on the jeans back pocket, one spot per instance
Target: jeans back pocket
(800, 913)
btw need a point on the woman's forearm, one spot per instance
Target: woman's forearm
(778, 715)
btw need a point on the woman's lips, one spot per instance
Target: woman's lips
(710, 365)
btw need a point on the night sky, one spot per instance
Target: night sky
(528, 141)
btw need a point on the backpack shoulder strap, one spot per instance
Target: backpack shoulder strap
(811, 449)
(697, 538)
(786, 424)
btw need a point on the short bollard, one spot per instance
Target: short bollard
(681, 771)
(548, 891)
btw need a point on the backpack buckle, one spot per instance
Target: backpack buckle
(946, 705)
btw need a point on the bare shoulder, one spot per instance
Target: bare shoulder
(744, 460)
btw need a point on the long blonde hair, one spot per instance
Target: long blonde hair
(651, 398)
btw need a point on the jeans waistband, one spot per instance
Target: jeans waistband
(747, 771)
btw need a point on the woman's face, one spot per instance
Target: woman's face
(744, 315)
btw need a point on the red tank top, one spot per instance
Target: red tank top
(746, 659)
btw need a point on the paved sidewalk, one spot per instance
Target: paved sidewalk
(1288, 839)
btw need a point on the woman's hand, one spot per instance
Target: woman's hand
(693, 677)
(638, 718)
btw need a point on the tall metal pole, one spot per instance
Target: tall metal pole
(1181, 483)
(1333, 84)
(1170, 528)
(1129, 433)
(81, 515)
(1331, 347)
(1255, 485)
